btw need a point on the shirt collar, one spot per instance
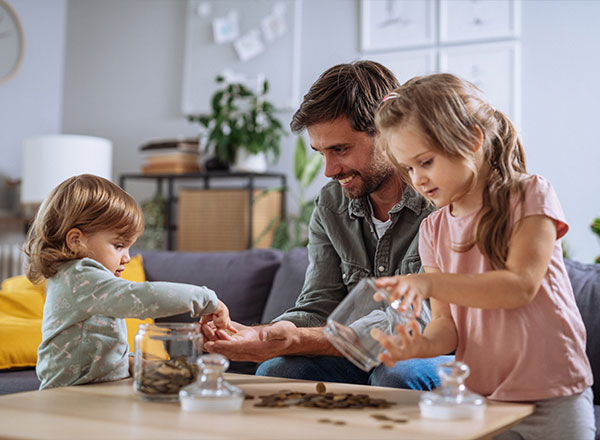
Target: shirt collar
(410, 199)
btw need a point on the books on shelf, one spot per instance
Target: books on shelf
(171, 156)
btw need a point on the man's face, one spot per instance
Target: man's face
(350, 157)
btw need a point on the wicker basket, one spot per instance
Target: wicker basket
(218, 219)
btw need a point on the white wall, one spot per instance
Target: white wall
(31, 101)
(123, 77)
(561, 92)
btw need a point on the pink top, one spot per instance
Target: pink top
(531, 353)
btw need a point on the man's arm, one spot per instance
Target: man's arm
(298, 331)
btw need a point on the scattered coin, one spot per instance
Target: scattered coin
(339, 422)
(387, 426)
(322, 400)
(386, 418)
(324, 421)
(321, 388)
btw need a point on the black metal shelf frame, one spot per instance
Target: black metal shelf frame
(172, 199)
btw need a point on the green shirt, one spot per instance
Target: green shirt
(344, 247)
(84, 337)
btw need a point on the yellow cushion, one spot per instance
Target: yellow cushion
(21, 309)
(134, 271)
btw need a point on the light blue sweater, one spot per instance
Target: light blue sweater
(84, 337)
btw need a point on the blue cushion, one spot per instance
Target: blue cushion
(585, 279)
(287, 284)
(242, 279)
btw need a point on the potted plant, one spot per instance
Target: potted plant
(242, 123)
(595, 226)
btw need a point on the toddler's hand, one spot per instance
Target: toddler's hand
(410, 290)
(220, 318)
(407, 344)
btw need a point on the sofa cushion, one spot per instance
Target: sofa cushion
(242, 279)
(585, 279)
(287, 284)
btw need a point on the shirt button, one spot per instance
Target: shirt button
(344, 275)
(381, 269)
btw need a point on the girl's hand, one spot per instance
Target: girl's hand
(220, 318)
(411, 290)
(407, 344)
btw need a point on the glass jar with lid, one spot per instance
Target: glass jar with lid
(165, 359)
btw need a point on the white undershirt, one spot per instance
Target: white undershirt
(380, 227)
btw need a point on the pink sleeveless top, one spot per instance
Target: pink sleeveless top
(531, 353)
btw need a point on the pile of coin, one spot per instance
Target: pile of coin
(321, 399)
(167, 377)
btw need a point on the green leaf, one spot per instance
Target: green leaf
(299, 158)
(306, 211)
(281, 238)
(312, 168)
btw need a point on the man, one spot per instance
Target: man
(365, 223)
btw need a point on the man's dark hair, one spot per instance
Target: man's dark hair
(351, 90)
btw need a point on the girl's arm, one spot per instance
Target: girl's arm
(438, 338)
(529, 253)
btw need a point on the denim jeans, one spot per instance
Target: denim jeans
(416, 374)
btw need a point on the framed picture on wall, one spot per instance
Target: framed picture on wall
(468, 20)
(393, 24)
(494, 68)
(407, 64)
(245, 40)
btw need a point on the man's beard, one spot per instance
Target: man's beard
(373, 177)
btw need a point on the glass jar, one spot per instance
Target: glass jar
(165, 359)
(349, 325)
(211, 392)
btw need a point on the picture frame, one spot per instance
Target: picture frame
(469, 20)
(407, 64)
(394, 24)
(493, 67)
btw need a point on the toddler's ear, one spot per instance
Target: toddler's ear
(73, 240)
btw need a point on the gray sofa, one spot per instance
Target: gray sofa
(257, 285)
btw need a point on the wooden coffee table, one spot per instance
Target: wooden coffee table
(113, 411)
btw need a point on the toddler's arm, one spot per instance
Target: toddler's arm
(97, 291)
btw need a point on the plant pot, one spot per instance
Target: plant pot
(252, 163)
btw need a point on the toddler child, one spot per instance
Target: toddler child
(494, 273)
(79, 241)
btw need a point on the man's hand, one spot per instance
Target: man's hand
(255, 344)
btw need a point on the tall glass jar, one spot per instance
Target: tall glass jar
(165, 359)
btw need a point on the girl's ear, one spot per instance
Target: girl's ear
(74, 240)
(479, 142)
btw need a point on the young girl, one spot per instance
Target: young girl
(80, 242)
(499, 291)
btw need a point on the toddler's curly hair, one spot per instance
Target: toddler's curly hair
(87, 202)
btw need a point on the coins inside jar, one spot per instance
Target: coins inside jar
(167, 377)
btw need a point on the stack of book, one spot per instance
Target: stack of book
(174, 156)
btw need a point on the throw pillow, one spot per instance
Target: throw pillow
(20, 326)
(241, 279)
(134, 271)
(287, 284)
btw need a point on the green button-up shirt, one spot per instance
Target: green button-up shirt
(344, 247)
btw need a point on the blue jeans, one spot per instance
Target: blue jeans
(415, 374)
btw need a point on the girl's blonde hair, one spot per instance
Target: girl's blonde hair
(453, 114)
(87, 202)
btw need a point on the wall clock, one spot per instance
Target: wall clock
(12, 42)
